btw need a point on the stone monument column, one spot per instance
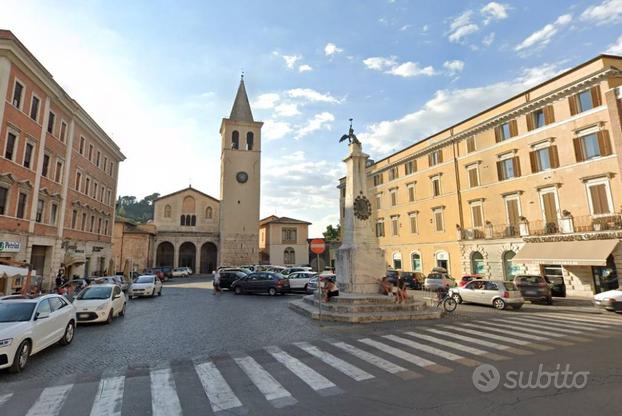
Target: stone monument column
(360, 262)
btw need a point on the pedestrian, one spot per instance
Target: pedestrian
(385, 286)
(330, 290)
(216, 282)
(401, 295)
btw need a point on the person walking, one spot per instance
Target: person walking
(216, 282)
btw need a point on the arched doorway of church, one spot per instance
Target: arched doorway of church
(209, 256)
(165, 254)
(188, 255)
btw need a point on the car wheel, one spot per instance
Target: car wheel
(272, 291)
(109, 319)
(457, 298)
(69, 333)
(21, 357)
(122, 313)
(237, 290)
(498, 304)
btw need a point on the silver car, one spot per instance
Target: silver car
(497, 293)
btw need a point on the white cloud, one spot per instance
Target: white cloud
(405, 27)
(290, 60)
(453, 67)
(331, 49)
(392, 66)
(494, 11)
(488, 39)
(615, 48)
(287, 109)
(312, 95)
(297, 156)
(543, 36)
(265, 101)
(461, 27)
(274, 130)
(445, 108)
(609, 11)
(425, 28)
(319, 121)
(305, 68)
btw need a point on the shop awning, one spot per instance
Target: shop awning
(567, 253)
(74, 259)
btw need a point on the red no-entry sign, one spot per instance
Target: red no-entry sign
(317, 246)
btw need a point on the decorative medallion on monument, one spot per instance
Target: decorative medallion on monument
(362, 207)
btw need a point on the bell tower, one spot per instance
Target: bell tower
(240, 171)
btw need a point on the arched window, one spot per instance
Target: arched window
(182, 220)
(193, 220)
(442, 260)
(509, 269)
(235, 140)
(289, 256)
(397, 260)
(415, 259)
(208, 213)
(477, 263)
(249, 140)
(167, 211)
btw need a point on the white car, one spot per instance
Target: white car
(146, 285)
(100, 303)
(28, 326)
(610, 300)
(300, 280)
(180, 272)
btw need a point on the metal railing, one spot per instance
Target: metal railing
(490, 231)
(589, 223)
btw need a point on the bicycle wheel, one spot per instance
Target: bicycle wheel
(450, 304)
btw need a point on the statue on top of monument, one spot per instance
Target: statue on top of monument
(351, 137)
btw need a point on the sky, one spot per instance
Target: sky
(159, 76)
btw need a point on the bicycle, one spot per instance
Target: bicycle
(448, 302)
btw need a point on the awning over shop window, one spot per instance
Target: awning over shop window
(74, 259)
(567, 253)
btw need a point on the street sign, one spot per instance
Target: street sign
(317, 245)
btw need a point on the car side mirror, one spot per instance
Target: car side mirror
(42, 315)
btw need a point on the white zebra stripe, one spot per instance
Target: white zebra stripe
(573, 324)
(51, 401)
(109, 398)
(450, 344)
(586, 319)
(267, 385)
(489, 335)
(406, 356)
(218, 392)
(164, 398)
(346, 368)
(531, 324)
(381, 363)
(472, 340)
(5, 398)
(519, 327)
(312, 378)
(426, 348)
(515, 334)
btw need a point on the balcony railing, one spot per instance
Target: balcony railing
(490, 231)
(589, 223)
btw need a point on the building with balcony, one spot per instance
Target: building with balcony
(58, 174)
(530, 185)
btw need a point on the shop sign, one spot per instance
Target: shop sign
(10, 246)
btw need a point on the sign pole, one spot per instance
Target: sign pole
(318, 246)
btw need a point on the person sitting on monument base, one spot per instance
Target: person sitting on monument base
(386, 287)
(401, 295)
(329, 290)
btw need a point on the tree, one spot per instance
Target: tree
(140, 212)
(332, 233)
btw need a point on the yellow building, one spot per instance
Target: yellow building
(531, 185)
(283, 241)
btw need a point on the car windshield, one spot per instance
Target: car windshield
(509, 286)
(531, 280)
(95, 292)
(435, 276)
(143, 279)
(16, 312)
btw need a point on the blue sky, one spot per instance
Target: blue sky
(159, 75)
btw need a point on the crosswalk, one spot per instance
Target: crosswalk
(283, 376)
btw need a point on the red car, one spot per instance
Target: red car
(467, 278)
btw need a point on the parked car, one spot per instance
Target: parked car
(227, 277)
(261, 282)
(113, 280)
(234, 269)
(145, 285)
(497, 293)
(610, 300)
(275, 269)
(291, 270)
(534, 288)
(100, 303)
(557, 285)
(29, 325)
(300, 280)
(438, 279)
(467, 278)
(180, 272)
(313, 283)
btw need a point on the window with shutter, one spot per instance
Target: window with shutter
(476, 215)
(438, 220)
(549, 204)
(512, 211)
(470, 143)
(573, 104)
(473, 177)
(411, 193)
(413, 224)
(604, 144)
(549, 114)
(598, 194)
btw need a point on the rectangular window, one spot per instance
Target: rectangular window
(9, 151)
(105, 163)
(90, 152)
(21, 205)
(413, 223)
(63, 131)
(40, 208)
(477, 215)
(83, 222)
(512, 211)
(78, 180)
(438, 219)
(53, 213)
(380, 229)
(95, 185)
(4, 194)
(395, 226)
(81, 149)
(58, 174)
(393, 197)
(378, 201)
(34, 108)
(51, 119)
(393, 174)
(508, 168)
(87, 186)
(506, 131)
(543, 159)
(436, 186)
(411, 192)
(378, 179)
(585, 100)
(97, 159)
(109, 197)
(592, 145)
(111, 169)
(28, 155)
(410, 167)
(106, 228)
(74, 219)
(99, 226)
(18, 94)
(540, 118)
(473, 176)
(435, 157)
(289, 235)
(599, 197)
(470, 143)
(46, 165)
(92, 224)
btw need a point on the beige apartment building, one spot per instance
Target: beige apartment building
(283, 241)
(58, 174)
(531, 185)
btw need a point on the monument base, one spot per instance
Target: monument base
(364, 308)
(360, 268)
